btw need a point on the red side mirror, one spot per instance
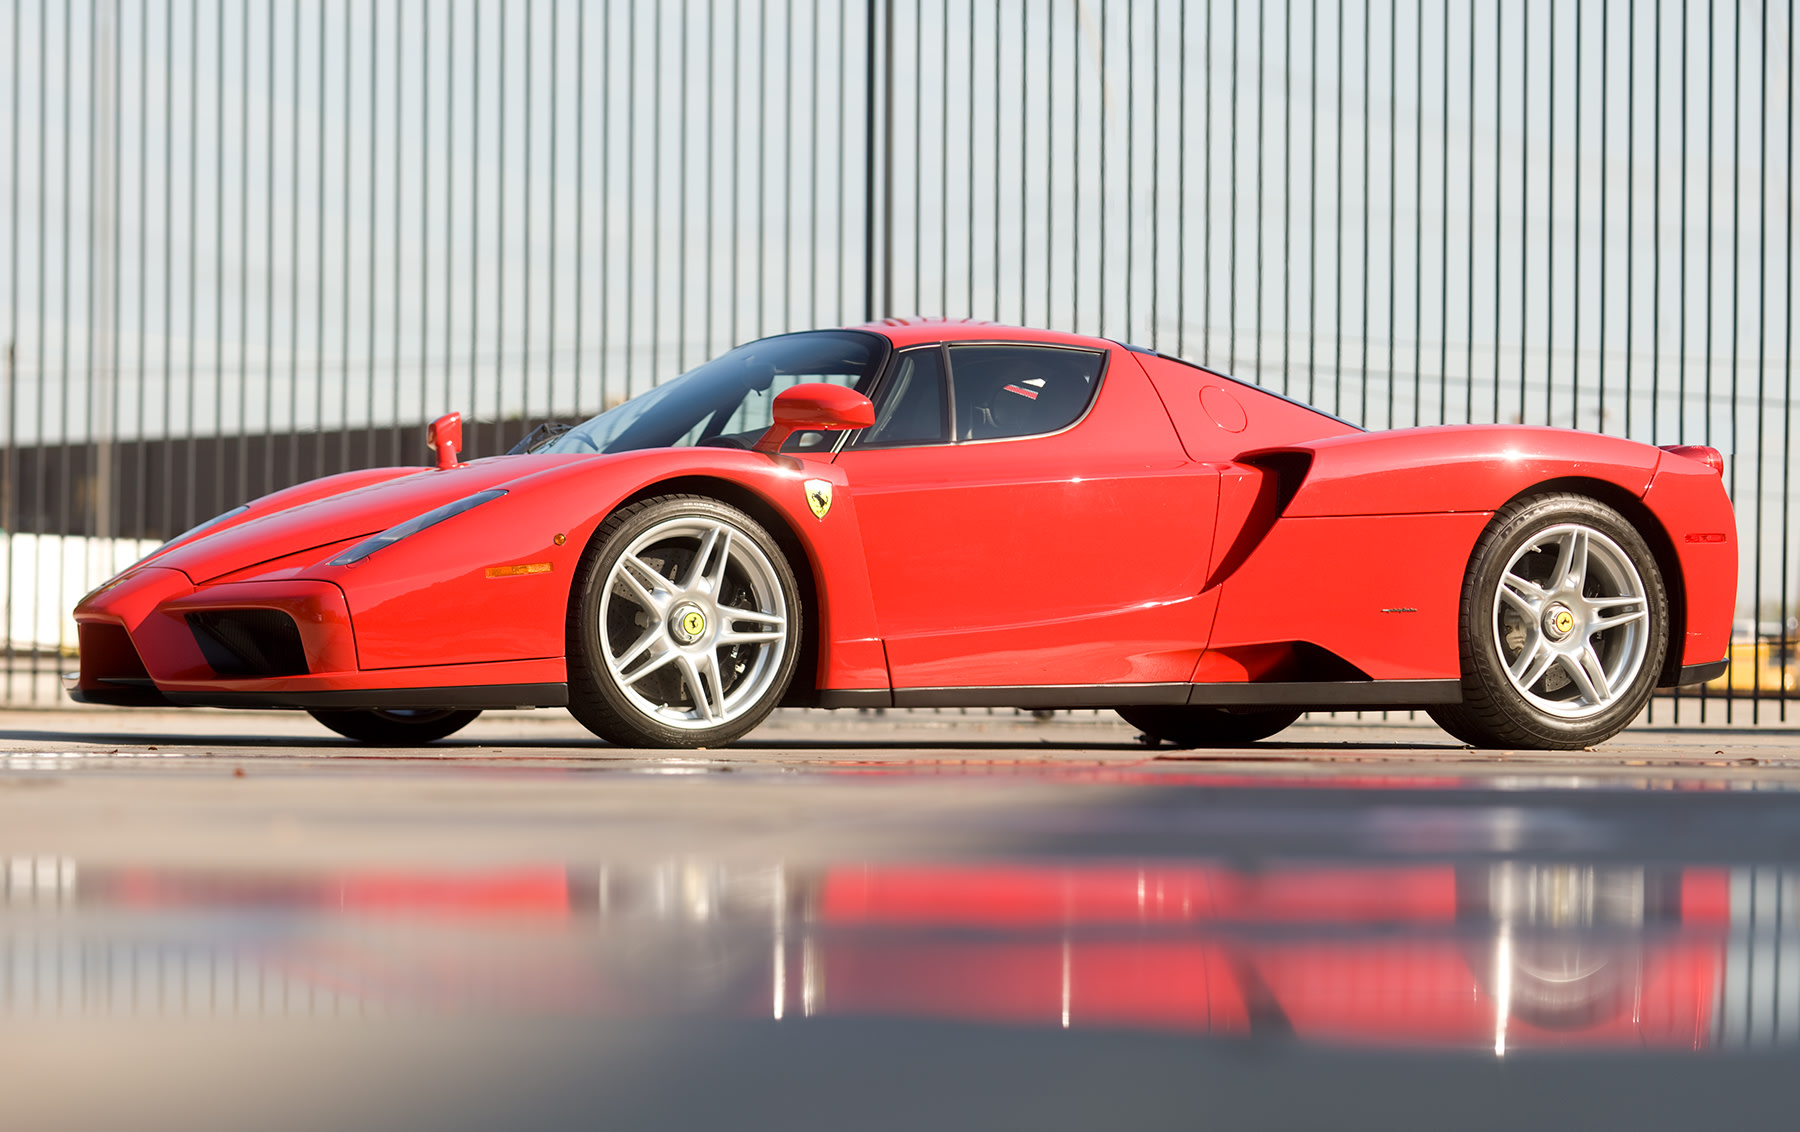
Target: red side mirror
(445, 438)
(815, 405)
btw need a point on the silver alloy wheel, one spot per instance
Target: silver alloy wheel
(1570, 616)
(693, 624)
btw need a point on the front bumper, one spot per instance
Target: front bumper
(153, 638)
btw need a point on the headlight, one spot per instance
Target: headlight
(413, 526)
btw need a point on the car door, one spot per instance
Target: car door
(1030, 520)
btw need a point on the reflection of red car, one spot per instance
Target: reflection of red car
(948, 513)
(1504, 956)
(1511, 956)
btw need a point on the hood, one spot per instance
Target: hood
(344, 516)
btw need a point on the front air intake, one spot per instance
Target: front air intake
(248, 643)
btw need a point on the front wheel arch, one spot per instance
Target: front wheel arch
(683, 624)
(804, 688)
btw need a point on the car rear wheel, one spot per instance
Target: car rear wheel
(1207, 727)
(684, 625)
(396, 727)
(1564, 626)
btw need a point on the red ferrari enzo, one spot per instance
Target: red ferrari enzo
(950, 513)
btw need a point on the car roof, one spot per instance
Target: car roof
(903, 332)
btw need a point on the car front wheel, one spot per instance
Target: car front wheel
(1564, 626)
(684, 625)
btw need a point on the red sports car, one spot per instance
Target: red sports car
(950, 513)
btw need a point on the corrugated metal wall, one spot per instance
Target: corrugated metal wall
(244, 243)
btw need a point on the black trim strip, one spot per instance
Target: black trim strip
(118, 695)
(1330, 693)
(484, 697)
(1699, 673)
(1044, 696)
(854, 698)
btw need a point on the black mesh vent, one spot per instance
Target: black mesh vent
(249, 642)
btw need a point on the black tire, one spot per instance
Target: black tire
(1186, 726)
(396, 727)
(641, 644)
(1596, 642)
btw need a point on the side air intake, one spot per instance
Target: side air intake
(247, 643)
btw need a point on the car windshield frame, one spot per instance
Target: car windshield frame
(694, 408)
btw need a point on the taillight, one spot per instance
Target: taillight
(1711, 457)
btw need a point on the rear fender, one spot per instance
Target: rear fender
(1458, 468)
(1688, 502)
(1383, 592)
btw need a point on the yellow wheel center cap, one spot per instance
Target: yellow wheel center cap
(689, 624)
(1559, 622)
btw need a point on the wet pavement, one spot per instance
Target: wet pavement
(232, 920)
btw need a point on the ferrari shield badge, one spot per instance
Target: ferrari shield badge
(818, 496)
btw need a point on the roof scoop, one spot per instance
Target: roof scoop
(444, 436)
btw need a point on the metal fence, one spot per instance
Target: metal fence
(246, 243)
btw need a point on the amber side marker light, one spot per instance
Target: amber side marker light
(1710, 536)
(1711, 457)
(528, 568)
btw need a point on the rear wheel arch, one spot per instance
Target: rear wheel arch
(1562, 628)
(803, 689)
(1651, 530)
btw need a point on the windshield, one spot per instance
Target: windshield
(726, 402)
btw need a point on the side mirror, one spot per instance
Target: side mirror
(444, 437)
(815, 405)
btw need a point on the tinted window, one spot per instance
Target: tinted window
(910, 406)
(1020, 390)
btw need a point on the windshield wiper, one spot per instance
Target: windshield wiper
(539, 437)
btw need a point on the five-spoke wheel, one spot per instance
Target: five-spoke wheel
(1564, 627)
(685, 625)
(1570, 621)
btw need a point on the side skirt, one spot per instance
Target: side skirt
(482, 697)
(1330, 694)
(1303, 694)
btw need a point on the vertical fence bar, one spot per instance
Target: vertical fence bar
(1605, 203)
(399, 265)
(63, 524)
(449, 401)
(1631, 179)
(1787, 370)
(550, 215)
(529, 212)
(500, 182)
(9, 470)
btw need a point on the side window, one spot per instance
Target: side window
(909, 407)
(1020, 390)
